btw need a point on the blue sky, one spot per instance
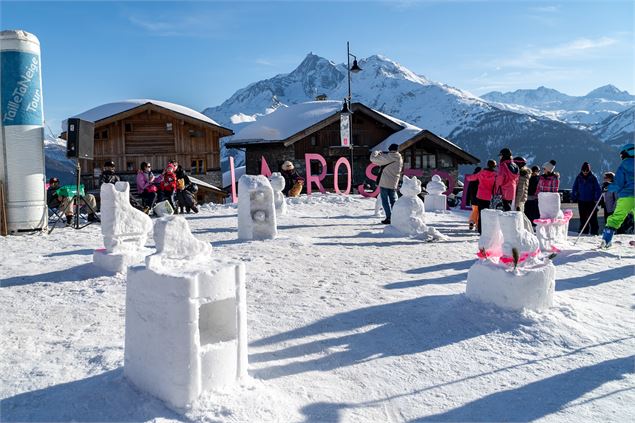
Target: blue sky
(199, 53)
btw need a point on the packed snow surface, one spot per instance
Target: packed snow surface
(345, 324)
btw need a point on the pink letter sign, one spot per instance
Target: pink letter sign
(314, 178)
(232, 171)
(264, 167)
(342, 161)
(372, 177)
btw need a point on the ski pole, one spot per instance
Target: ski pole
(589, 219)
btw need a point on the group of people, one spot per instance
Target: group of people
(511, 182)
(173, 185)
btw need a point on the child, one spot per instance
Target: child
(624, 187)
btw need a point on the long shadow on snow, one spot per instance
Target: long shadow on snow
(459, 277)
(103, 398)
(603, 276)
(537, 399)
(395, 329)
(73, 274)
(84, 252)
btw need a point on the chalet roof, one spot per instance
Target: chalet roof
(109, 110)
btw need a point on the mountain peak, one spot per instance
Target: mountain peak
(610, 92)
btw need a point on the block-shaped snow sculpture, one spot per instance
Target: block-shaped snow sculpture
(124, 229)
(436, 202)
(256, 209)
(491, 239)
(553, 226)
(409, 213)
(186, 325)
(518, 234)
(530, 287)
(549, 205)
(277, 184)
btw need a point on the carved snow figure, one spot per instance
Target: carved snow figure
(435, 200)
(277, 184)
(553, 226)
(124, 229)
(408, 213)
(256, 210)
(510, 272)
(186, 324)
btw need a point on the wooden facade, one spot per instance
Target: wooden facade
(154, 134)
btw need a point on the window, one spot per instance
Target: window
(96, 135)
(168, 126)
(104, 134)
(424, 160)
(445, 160)
(196, 133)
(313, 140)
(128, 127)
(198, 167)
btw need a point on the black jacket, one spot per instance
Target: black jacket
(108, 177)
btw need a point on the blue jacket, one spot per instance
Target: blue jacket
(623, 183)
(586, 188)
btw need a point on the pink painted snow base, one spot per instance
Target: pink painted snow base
(552, 233)
(529, 287)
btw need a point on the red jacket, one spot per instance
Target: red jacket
(168, 182)
(486, 179)
(507, 179)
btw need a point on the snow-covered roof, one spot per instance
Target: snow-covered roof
(203, 183)
(287, 121)
(398, 137)
(110, 109)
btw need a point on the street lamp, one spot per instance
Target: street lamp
(347, 102)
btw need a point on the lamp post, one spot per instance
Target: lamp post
(347, 102)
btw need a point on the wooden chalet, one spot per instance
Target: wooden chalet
(314, 127)
(135, 131)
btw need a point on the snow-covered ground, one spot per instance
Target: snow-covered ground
(345, 324)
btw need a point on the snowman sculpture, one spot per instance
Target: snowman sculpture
(408, 213)
(435, 200)
(510, 272)
(277, 184)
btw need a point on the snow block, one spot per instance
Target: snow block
(529, 287)
(186, 329)
(277, 184)
(491, 239)
(124, 229)
(256, 209)
(549, 205)
(553, 226)
(436, 202)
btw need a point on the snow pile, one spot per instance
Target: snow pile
(124, 229)
(409, 213)
(321, 198)
(256, 209)
(553, 226)
(277, 184)
(435, 200)
(510, 273)
(186, 326)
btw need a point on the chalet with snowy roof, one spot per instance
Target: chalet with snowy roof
(314, 127)
(134, 131)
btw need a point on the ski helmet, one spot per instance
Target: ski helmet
(628, 150)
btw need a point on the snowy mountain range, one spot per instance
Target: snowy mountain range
(480, 125)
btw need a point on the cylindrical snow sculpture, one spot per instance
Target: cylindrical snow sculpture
(22, 134)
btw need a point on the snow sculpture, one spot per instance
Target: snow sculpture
(408, 213)
(186, 324)
(510, 273)
(553, 226)
(124, 229)
(277, 184)
(256, 210)
(435, 200)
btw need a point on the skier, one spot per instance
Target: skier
(624, 186)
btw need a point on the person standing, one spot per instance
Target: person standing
(486, 182)
(472, 188)
(586, 192)
(391, 165)
(507, 178)
(608, 198)
(624, 187)
(549, 181)
(184, 197)
(167, 185)
(522, 188)
(146, 187)
(531, 205)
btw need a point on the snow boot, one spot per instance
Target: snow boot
(607, 237)
(385, 221)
